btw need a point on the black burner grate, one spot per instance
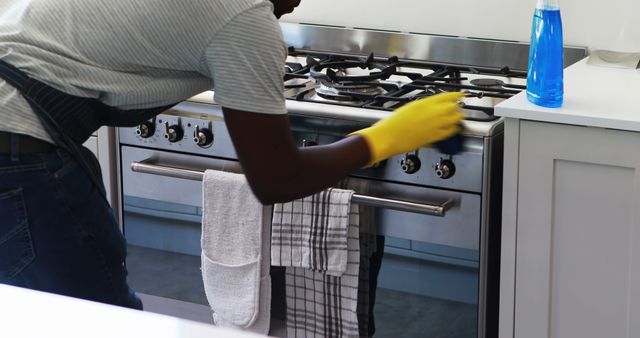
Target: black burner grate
(379, 83)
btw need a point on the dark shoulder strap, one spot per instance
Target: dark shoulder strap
(77, 117)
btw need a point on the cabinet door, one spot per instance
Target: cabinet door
(578, 234)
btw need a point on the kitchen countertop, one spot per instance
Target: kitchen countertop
(30, 314)
(594, 96)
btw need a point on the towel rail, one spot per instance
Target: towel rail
(196, 175)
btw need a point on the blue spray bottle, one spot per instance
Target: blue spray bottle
(545, 77)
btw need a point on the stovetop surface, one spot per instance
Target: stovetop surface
(387, 83)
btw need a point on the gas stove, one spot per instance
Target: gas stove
(440, 213)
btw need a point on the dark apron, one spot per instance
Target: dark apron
(70, 120)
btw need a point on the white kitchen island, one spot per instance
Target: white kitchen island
(570, 263)
(31, 314)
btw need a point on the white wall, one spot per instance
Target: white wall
(585, 22)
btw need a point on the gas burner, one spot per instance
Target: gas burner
(337, 71)
(338, 97)
(487, 82)
(348, 91)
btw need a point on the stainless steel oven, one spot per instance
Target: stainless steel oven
(439, 214)
(429, 282)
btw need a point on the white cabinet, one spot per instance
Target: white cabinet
(92, 144)
(571, 232)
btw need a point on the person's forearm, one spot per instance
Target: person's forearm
(308, 170)
(320, 167)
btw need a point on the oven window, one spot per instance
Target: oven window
(423, 289)
(426, 290)
(164, 249)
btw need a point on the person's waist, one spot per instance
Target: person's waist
(25, 144)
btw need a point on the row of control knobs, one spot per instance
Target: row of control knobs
(203, 137)
(445, 169)
(411, 163)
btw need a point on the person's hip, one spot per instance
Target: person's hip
(58, 233)
(49, 196)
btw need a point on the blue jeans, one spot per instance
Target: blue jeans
(57, 233)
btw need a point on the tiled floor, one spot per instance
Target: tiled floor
(397, 314)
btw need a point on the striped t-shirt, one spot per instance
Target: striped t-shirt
(142, 53)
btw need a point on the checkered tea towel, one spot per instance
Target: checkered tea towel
(319, 304)
(312, 232)
(368, 272)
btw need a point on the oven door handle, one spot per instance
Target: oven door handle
(147, 167)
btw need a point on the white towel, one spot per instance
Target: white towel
(312, 232)
(235, 262)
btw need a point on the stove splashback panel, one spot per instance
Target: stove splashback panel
(411, 46)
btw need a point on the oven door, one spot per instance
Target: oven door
(427, 284)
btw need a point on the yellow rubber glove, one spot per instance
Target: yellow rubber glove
(413, 125)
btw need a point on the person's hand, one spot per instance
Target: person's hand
(413, 125)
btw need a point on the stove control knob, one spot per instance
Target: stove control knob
(203, 137)
(445, 169)
(173, 133)
(410, 164)
(146, 129)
